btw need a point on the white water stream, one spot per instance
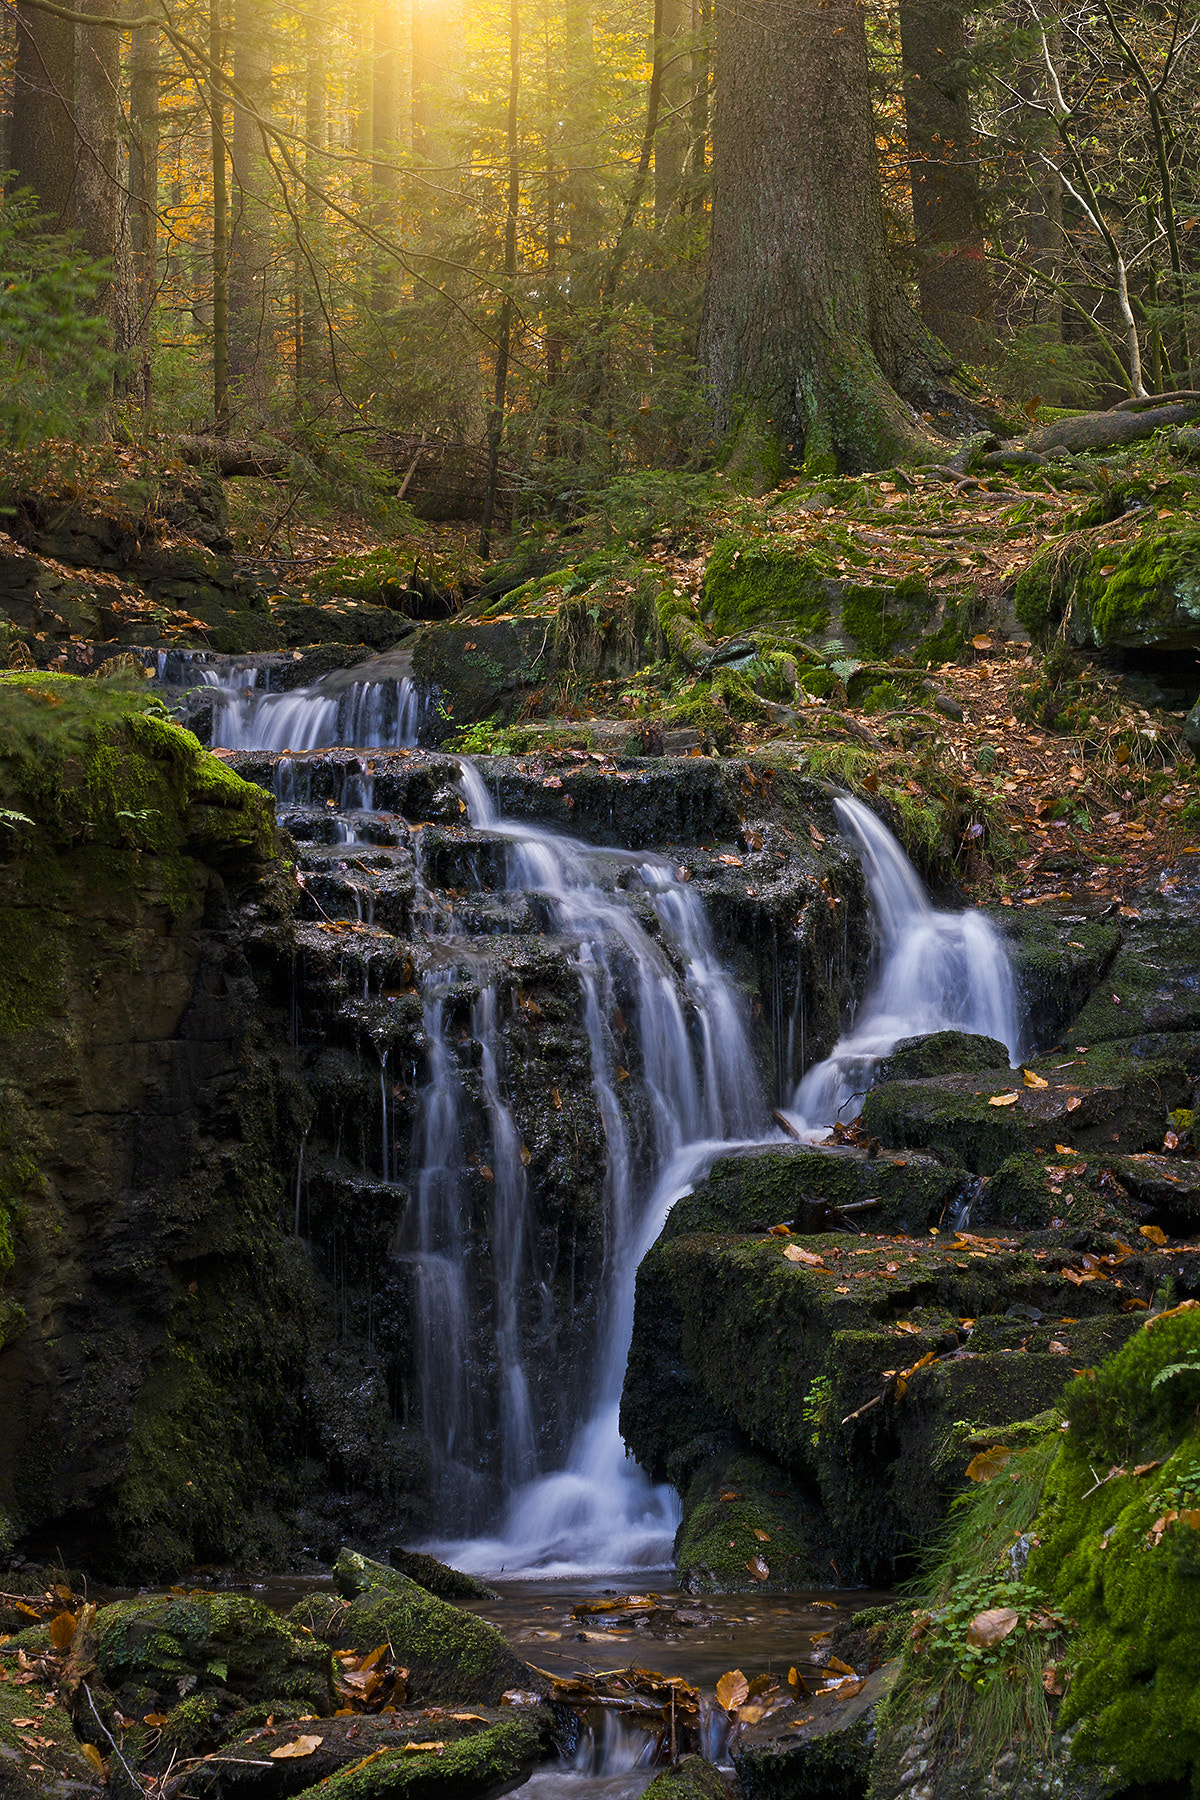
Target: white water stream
(360, 715)
(653, 994)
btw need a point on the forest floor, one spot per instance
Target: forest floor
(1022, 771)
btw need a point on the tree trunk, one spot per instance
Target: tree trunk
(143, 197)
(671, 139)
(386, 130)
(220, 223)
(806, 336)
(43, 132)
(98, 183)
(249, 236)
(952, 276)
(504, 337)
(311, 335)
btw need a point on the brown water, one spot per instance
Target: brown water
(696, 1638)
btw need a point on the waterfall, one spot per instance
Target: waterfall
(933, 971)
(360, 715)
(599, 1511)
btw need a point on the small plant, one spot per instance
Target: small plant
(816, 1407)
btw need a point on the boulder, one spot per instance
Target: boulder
(859, 1368)
(450, 1655)
(438, 1578)
(1090, 1101)
(745, 1529)
(809, 1186)
(818, 1749)
(1067, 1582)
(432, 1752)
(916, 1057)
(160, 1648)
(691, 1778)
(40, 1755)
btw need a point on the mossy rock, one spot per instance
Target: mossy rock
(804, 1186)
(822, 1751)
(439, 1578)
(479, 670)
(1056, 964)
(750, 580)
(879, 618)
(222, 1642)
(450, 1654)
(978, 1121)
(1121, 1557)
(42, 1758)
(732, 1338)
(914, 1058)
(490, 1763)
(745, 1528)
(691, 1778)
(477, 1754)
(1144, 595)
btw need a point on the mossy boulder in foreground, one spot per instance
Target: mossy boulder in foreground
(175, 1644)
(1060, 1650)
(450, 1655)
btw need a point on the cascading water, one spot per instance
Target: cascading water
(361, 715)
(934, 971)
(599, 1511)
(515, 1382)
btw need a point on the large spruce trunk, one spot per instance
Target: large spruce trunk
(952, 275)
(807, 334)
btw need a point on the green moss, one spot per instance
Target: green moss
(748, 580)
(490, 1762)
(1130, 1584)
(42, 1753)
(941, 646)
(820, 682)
(224, 1643)
(913, 1059)
(877, 618)
(1151, 594)
(450, 1654)
(744, 1528)
(691, 1778)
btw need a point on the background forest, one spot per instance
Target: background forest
(458, 223)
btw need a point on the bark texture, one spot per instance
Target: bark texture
(99, 183)
(952, 277)
(806, 330)
(43, 134)
(249, 236)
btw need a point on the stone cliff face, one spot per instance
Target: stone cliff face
(153, 1347)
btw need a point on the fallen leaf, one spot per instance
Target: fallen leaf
(1050, 1680)
(732, 1689)
(734, 862)
(94, 1757)
(62, 1630)
(764, 1537)
(1033, 1080)
(839, 1667)
(1145, 1468)
(419, 1749)
(992, 1627)
(758, 1568)
(1154, 1233)
(988, 1463)
(301, 1746)
(781, 1231)
(1004, 1099)
(795, 1253)
(1074, 1103)
(154, 1719)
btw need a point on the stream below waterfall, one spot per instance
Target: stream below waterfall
(549, 1500)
